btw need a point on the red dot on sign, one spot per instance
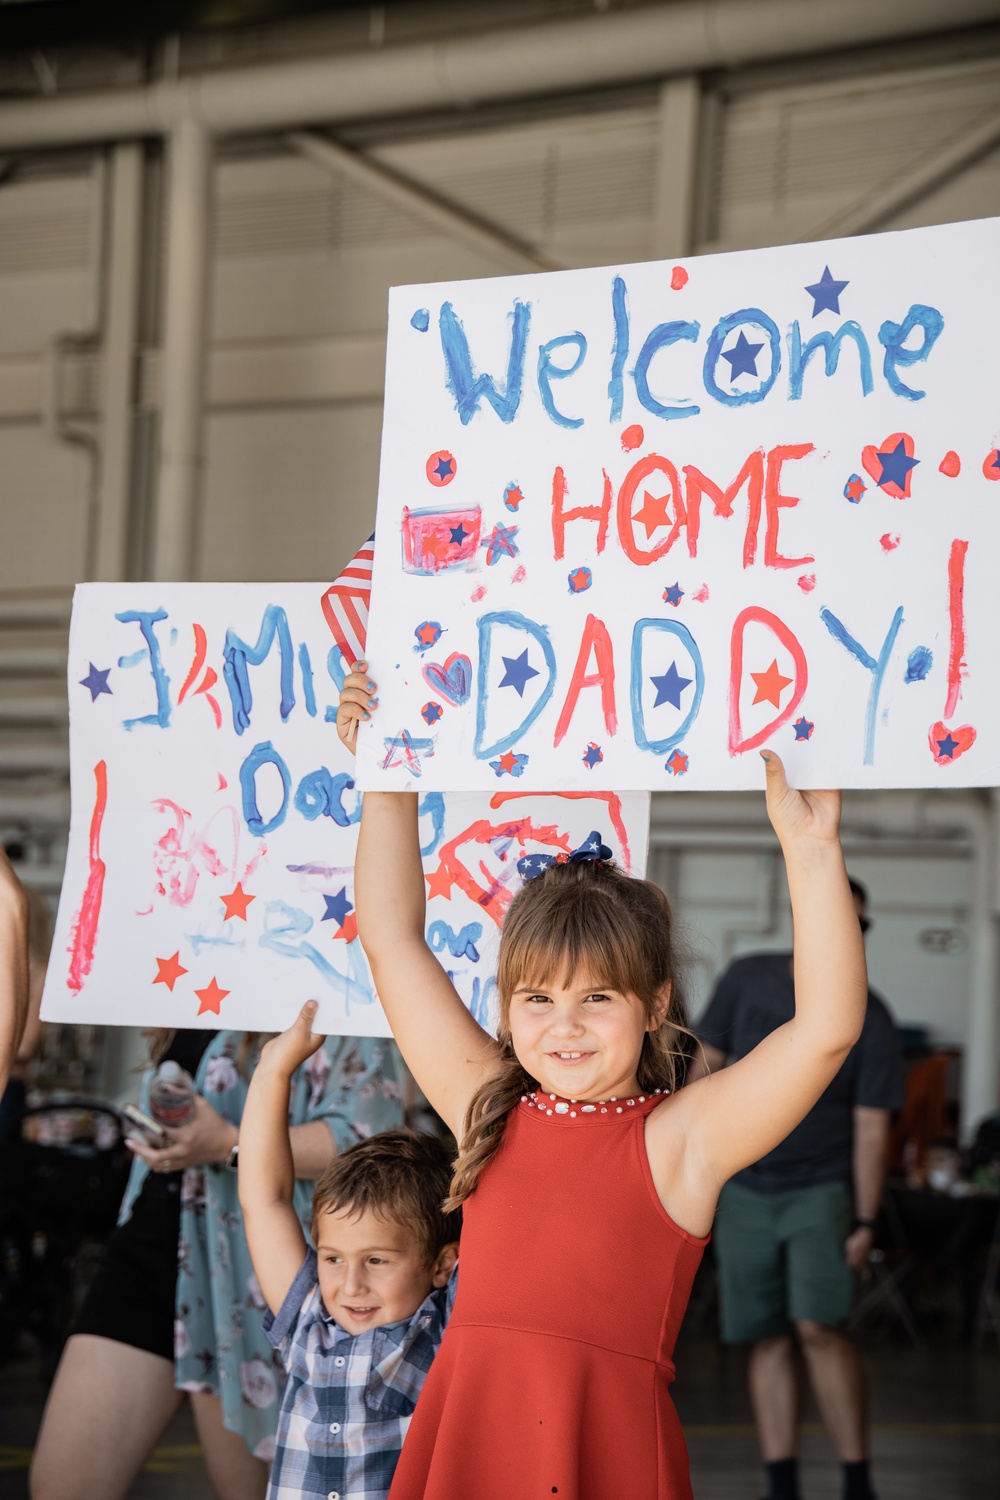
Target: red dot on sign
(678, 278)
(807, 582)
(631, 438)
(441, 467)
(889, 542)
(951, 465)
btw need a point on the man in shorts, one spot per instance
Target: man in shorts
(795, 1228)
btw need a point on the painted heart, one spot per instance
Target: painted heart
(948, 744)
(891, 465)
(453, 681)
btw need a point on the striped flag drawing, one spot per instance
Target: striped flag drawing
(345, 603)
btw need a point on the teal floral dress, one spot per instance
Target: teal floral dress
(219, 1349)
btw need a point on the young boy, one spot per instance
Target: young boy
(359, 1320)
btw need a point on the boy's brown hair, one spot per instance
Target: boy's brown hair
(398, 1175)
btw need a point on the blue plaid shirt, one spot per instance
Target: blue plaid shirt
(349, 1397)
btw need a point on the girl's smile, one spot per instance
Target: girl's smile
(578, 1039)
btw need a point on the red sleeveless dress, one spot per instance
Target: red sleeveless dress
(553, 1375)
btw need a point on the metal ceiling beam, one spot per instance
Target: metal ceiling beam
(413, 198)
(654, 41)
(880, 202)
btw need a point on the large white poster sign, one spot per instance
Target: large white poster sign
(210, 877)
(636, 522)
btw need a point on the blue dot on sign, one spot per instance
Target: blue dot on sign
(918, 664)
(421, 320)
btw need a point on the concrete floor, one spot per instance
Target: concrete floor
(936, 1429)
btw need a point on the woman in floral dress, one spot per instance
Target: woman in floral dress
(176, 1307)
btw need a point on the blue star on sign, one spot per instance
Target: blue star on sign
(518, 672)
(803, 728)
(895, 465)
(673, 595)
(458, 534)
(742, 357)
(947, 747)
(337, 907)
(592, 756)
(96, 682)
(670, 686)
(444, 467)
(826, 293)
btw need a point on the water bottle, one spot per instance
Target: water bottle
(171, 1095)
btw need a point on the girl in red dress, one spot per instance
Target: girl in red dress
(588, 1184)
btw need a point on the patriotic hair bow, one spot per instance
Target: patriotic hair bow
(591, 848)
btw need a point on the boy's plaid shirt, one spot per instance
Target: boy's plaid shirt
(349, 1397)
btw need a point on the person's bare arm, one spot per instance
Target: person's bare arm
(13, 966)
(871, 1158)
(704, 1060)
(446, 1051)
(734, 1117)
(267, 1169)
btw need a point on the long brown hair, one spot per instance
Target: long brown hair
(587, 917)
(161, 1037)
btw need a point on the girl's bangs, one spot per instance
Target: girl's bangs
(584, 939)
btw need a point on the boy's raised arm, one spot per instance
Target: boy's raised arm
(266, 1169)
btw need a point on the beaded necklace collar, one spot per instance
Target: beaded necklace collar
(552, 1104)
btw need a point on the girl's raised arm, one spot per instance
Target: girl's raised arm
(446, 1051)
(736, 1116)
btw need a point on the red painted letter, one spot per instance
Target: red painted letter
(654, 510)
(599, 513)
(774, 502)
(597, 641)
(698, 484)
(737, 744)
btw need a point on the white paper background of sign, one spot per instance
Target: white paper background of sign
(173, 839)
(856, 576)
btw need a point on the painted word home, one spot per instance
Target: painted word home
(637, 522)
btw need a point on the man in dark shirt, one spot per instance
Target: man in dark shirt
(794, 1228)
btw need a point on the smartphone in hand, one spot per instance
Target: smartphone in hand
(143, 1128)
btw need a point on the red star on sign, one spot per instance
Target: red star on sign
(434, 545)
(236, 904)
(770, 685)
(348, 929)
(211, 997)
(169, 970)
(440, 883)
(508, 761)
(427, 634)
(854, 489)
(580, 579)
(653, 512)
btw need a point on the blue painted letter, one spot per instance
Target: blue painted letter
(468, 388)
(238, 656)
(263, 754)
(894, 335)
(877, 668)
(799, 355)
(547, 372)
(662, 337)
(146, 619)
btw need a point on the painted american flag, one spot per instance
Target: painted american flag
(346, 601)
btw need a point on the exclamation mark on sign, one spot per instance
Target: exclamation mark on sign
(946, 745)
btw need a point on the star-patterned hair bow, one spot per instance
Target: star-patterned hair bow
(591, 848)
